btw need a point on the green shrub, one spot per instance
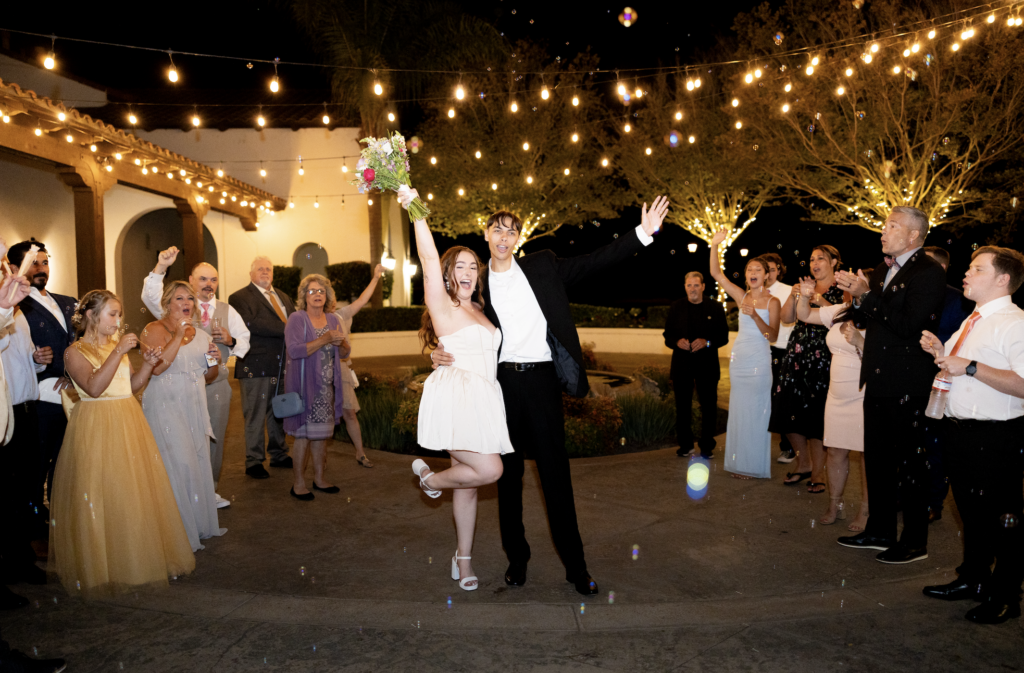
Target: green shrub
(658, 374)
(645, 418)
(590, 360)
(601, 316)
(656, 316)
(349, 279)
(286, 279)
(594, 426)
(732, 319)
(390, 319)
(582, 439)
(379, 406)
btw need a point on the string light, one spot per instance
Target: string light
(931, 34)
(70, 138)
(182, 172)
(263, 171)
(451, 113)
(275, 83)
(460, 93)
(757, 74)
(261, 121)
(906, 53)
(316, 202)
(526, 146)
(575, 101)
(433, 161)
(639, 92)
(302, 171)
(814, 61)
(544, 93)
(849, 72)
(529, 179)
(50, 62)
(494, 186)
(39, 131)
(785, 107)
(566, 171)
(430, 197)
(478, 155)
(647, 151)
(967, 34)
(896, 70)
(220, 173)
(110, 168)
(377, 88)
(914, 48)
(622, 89)
(787, 88)
(956, 46)
(627, 128)
(991, 18)
(172, 73)
(462, 192)
(195, 120)
(692, 139)
(679, 116)
(840, 91)
(875, 48)
(575, 137)
(391, 116)
(735, 102)
(689, 84)
(514, 107)
(866, 58)
(696, 83)
(344, 168)
(117, 155)
(739, 125)
(132, 119)
(748, 79)
(810, 70)
(604, 163)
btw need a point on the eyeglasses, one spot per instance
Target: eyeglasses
(316, 291)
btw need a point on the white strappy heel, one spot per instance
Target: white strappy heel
(418, 466)
(463, 582)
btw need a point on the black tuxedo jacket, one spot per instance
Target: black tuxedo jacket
(549, 276)
(894, 364)
(705, 320)
(266, 330)
(46, 330)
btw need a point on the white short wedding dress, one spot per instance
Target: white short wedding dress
(462, 408)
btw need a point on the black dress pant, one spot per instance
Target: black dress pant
(937, 441)
(785, 446)
(19, 479)
(536, 424)
(897, 469)
(986, 466)
(52, 425)
(707, 397)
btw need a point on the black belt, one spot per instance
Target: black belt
(527, 366)
(973, 422)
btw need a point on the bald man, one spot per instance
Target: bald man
(227, 330)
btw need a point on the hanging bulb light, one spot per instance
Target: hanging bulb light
(526, 146)
(874, 48)
(956, 46)
(172, 72)
(451, 113)
(639, 92)
(575, 137)
(433, 161)
(896, 70)
(195, 120)
(758, 73)
(514, 107)
(809, 70)
(622, 89)
(840, 91)
(931, 34)
(689, 85)
(696, 83)
(391, 116)
(604, 163)
(906, 53)
(648, 151)
(344, 168)
(462, 191)
(377, 88)
(967, 34)
(460, 93)
(739, 125)
(38, 131)
(291, 204)
(478, 155)
(749, 78)
(50, 62)
(735, 102)
(132, 119)
(815, 61)
(70, 138)
(566, 171)
(692, 139)
(275, 83)
(785, 107)
(61, 116)
(991, 18)
(575, 101)
(787, 88)
(544, 93)
(627, 128)
(529, 179)
(849, 72)
(494, 186)
(220, 173)
(263, 171)
(260, 120)
(914, 48)
(316, 202)
(302, 171)
(679, 116)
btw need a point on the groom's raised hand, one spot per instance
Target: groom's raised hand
(651, 219)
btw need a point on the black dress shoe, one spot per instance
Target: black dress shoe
(257, 471)
(19, 661)
(329, 489)
(10, 600)
(515, 576)
(287, 462)
(684, 453)
(865, 541)
(994, 611)
(585, 584)
(304, 496)
(957, 590)
(899, 554)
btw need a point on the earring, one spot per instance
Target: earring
(447, 286)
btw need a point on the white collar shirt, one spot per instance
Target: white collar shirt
(524, 329)
(782, 292)
(996, 340)
(16, 349)
(902, 261)
(50, 303)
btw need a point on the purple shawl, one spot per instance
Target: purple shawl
(297, 333)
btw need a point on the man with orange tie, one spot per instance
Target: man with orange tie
(265, 312)
(984, 362)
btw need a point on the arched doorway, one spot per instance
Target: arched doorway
(311, 258)
(143, 241)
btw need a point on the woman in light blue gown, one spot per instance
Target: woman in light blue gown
(747, 442)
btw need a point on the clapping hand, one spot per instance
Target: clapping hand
(931, 344)
(651, 219)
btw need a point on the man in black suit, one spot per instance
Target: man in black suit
(540, 357)
(49, 320)
(903, 298)
(695, 329)
(265, 312)
(955, 310)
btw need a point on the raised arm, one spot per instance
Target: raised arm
(804, 312)
(434, 293)
(732, 289)
(362, 300)
(155, 335)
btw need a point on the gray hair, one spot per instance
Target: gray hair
(300, 301)
(916, 219)
(261, 258)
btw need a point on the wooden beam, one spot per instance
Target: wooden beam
(89, 232)
(192, 230)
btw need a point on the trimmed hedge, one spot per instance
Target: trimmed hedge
(287, 279)
(349, 279)
(388, 319)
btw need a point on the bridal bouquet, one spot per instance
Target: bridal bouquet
(384, 165)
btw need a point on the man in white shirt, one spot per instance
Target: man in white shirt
(223, 323)
(49, 319)
(540, 357)
(781, 291)
(984, 360)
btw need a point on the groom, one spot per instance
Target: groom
(540, 357)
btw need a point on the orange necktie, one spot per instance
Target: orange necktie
(975, 317)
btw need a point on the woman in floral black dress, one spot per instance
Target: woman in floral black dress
(798, 401)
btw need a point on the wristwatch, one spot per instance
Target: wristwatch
(972, 368)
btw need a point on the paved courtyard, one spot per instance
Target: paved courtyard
(745, 579)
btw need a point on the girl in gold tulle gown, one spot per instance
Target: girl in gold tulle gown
(114, 522)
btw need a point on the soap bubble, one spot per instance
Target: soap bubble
(1008, 521)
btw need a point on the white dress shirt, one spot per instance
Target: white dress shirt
(16, 349)
(46, 391)
(902, 261)
(782, 292)
(153, 290)
(997, 340)
(524, 329)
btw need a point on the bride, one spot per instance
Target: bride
(462, 410)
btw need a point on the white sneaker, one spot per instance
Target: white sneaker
(786, 458)
(221, 502)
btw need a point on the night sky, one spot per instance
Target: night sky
(665, 33)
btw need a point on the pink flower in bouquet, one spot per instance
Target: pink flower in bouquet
(368, 175)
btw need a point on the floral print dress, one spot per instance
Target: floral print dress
(320, 414)
(798, 400)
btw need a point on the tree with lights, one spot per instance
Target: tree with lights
(675, 138)
(925, 111)
(364, 46)
(525, 140)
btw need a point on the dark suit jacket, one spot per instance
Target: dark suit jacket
(47, 331)
(266, 340)
(549, 276)
(956, 309)
(894, 364)
(705, 320)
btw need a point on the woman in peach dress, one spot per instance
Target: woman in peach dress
(114, 522)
